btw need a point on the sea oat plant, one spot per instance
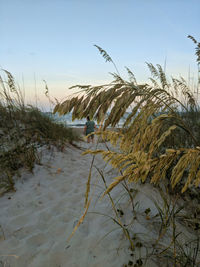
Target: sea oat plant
(156, 115)
(160, 138)
(23, 129)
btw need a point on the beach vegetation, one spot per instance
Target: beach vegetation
(160, 138)
(24, 129)
(158, 144)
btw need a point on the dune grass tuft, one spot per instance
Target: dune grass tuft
(23, 129)
(159, 143)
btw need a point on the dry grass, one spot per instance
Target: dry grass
(159, 143)
(24, 128)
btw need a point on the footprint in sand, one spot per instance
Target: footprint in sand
(37, 240)
(21, 220)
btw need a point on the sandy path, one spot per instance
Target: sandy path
(37, 220)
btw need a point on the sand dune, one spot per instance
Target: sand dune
(38, 218)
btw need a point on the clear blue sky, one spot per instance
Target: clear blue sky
(53, 40)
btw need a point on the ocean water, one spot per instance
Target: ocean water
(67, 120)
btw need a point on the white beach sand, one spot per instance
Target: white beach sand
(37, 219)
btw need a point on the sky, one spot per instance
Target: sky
(53, 40)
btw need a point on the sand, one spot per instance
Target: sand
(37, 219)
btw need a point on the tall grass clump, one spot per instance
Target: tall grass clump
(161, 134)
(24, 128)
(159, 141)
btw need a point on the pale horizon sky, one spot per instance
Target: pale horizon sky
(54, 40)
